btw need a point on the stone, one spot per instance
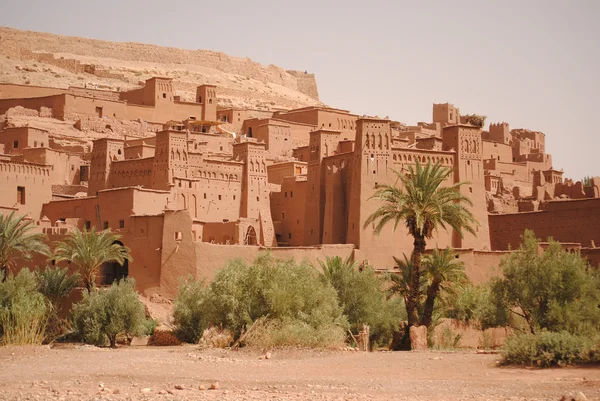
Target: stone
(140, 341)
(202, 387)
(179, 387)
(116, 391)
(268, 355)
(146, 390)
(580, 397)
(418, 338)
(215, 386)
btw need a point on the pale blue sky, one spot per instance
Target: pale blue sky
(534, 64)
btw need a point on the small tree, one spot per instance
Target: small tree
(551, 290)
(89, 250)
(56, 284)
(17, 240)
(362, 297)
(476, 120)
(102, 315)
(443, 273)
(191, 310)
(23, 310)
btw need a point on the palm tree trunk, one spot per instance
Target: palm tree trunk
(432, 292)
(415, 281)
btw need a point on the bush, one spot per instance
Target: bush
(23, 310)
(293, 332)
(546, 349)
(363, 300)
(476, 304)
(289, 294)
(189, 314)
(102, 315)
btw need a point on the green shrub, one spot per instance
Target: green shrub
(546, 349)
(102, 315)
(476, 304)
(363, 299)
(23, 310)
(292, 295)
(554, 290)
(190, 311)
(293, 332)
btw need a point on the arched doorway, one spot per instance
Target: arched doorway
(250, 237)
(111, 272)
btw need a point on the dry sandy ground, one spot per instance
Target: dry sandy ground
(152, 373)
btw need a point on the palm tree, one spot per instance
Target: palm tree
(56, 284)
(423, 205)
(18, 241)
(443, 273)
(88, 250)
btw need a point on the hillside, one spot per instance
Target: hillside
(45, 59)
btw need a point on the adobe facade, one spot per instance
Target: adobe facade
(202, 185)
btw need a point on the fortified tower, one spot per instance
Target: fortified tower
(500, 132)
(372, 163)
(466, 141)
(322, 143)
(104, 152)
(446, 114)
(207, 95)
(255, 202)
(158, 91)
(170, 159)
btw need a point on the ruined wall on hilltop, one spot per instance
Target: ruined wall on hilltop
(307, 83)
(72, 53)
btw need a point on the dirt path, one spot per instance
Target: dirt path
(152, 373)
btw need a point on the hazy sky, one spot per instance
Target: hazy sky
(533, 64)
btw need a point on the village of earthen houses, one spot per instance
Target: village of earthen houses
(189, 179)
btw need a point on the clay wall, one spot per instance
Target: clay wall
(139, 151)
(23, 137)
(288, 208)
(56, 103)
(15, 91)
(302, 153)
(498, 151)
(277, 172)
(215, 143)
(306, 83)
(65, 166)
(25, 187)
(565, 221)
(129, 173)
(224, 233)
(214, 194)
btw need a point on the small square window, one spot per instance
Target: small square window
(257, 199)
(178, 236)
(205, 195)
(88, 225)
(164, 95)
(282, 215)
(16, 144)
(286, 194)
(121, 223)
(289, 235)
(190, 184)
(105, 225)
(291, 194)
(219, 197)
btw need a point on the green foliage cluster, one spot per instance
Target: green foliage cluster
(476, 120)
(102, 315)
(545, 349)
(475, 304)
(362, 296)
(23, 310)
(293, 297)
(552, 290)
